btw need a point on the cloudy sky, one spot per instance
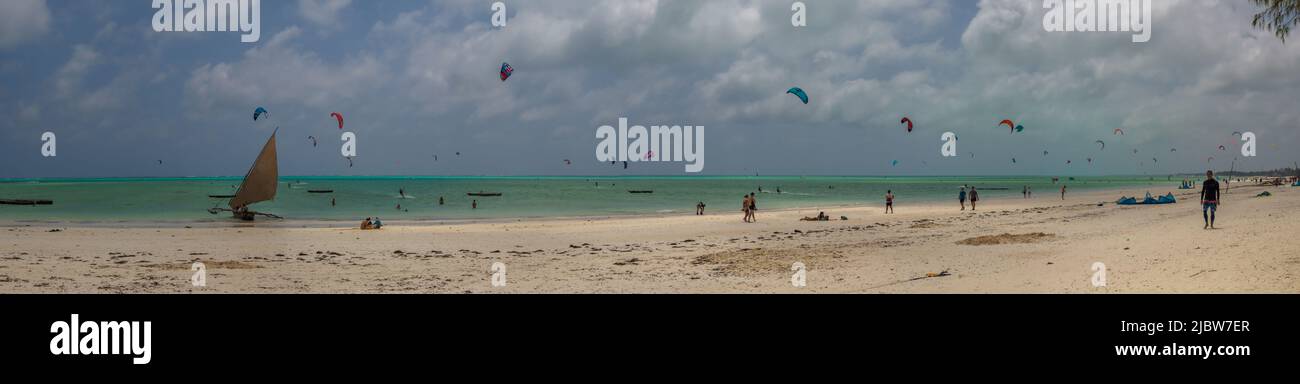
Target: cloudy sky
(419, 78)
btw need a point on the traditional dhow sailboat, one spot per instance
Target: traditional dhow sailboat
(259, 184)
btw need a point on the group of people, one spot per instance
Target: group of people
(1210, 199)
(974, 197)
(372, 224)
(748, 205)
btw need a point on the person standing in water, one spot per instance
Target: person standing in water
(1029, 192)
(974, 197)
(961, 197)
(1209, 199)
(401, 192)
(439, 200)
(473, 205)
(889, 202)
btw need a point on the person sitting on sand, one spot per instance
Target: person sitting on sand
(974, 197)
(699, 208)
(378, 224)
(366, 224)
(821, 216)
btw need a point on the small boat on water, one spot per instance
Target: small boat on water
(259, 185)
(484, 194)
(26, 202)
(321, 191)
(221, 196)
(641, 192)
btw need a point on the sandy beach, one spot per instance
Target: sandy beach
(1010, 245)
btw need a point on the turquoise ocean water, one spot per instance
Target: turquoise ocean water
(110, 201)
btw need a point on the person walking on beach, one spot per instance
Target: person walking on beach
(889, 202)
(1209, 199)
(974, 197)
(961, 196)
(1029, 192)
(753, 208)
(744, 207)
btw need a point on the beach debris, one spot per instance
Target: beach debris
(258, 113)
(1264, 194)
(798, 92)
(907, 121)
(1007, 238)
(339, 117)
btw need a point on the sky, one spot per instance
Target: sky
(415, 79)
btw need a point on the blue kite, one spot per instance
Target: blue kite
(258, 113)
(803, 96)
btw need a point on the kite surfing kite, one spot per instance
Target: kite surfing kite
(339, 117)
(1009, 124)
(1236, 133)
(1020, 128)
(1173, 149)
(1223, 148)
(1119, 131)
(1103, 144)
(1068, 162)
(895, 163)
(1089, 160)
(567, 162)
(258, 113)
(1044, 153)
(313, 141)
(803, 96)
(907, 121)
(349, 161)
(506, 71)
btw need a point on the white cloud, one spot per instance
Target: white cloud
(321, 12)
(67, 80)
(21, 21)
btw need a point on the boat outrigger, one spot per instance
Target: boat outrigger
(259, 185)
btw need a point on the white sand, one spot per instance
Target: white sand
(1145, 249)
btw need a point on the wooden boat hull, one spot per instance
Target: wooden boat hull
(26, 202)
